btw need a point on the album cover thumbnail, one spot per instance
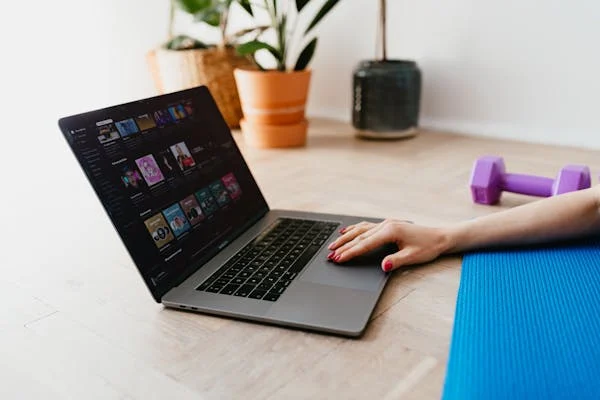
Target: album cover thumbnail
(159, 230)
(131, 177)
(127, 127)
(145, 122)
(207, 201)
(189, 110)
(220, 193)
(192, 209)
(167, 164)
(177, 220)
(177, 112)
(182, 156)
(162, 117)
(232, 185)
(150, 170)
(107, 133)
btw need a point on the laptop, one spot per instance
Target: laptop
(187, 208)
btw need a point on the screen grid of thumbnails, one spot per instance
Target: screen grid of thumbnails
(162, 180)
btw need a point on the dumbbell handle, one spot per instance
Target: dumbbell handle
(527, 184)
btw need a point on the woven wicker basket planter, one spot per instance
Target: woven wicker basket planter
(174, 70)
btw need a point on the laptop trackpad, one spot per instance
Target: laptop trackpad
(362, 273)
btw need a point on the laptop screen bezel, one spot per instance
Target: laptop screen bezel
(69, 123)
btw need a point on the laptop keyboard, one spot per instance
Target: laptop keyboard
(267, 265)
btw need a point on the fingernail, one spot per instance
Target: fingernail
(337, 258)
(342, 230)
(387, 266)
(330, 255)
(330, 247)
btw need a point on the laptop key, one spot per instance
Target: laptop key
(284, 282)
(257, 294)
(244, 291)
(278, 289)
(205, 285)
(271, 296)
(238, 281)
(214, 289)
(252, 281)
(229, 289)
(264, 286)
(289, 275)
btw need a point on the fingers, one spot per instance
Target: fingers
(351, 232)
(394, 261)
(362, 244)
(356, 238)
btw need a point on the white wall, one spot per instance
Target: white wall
(524, 69)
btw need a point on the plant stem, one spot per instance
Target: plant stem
(223, 28)
(383, 29)
(271, 12)
(276, 24)
(292, 32)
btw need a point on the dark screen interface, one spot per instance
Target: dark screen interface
(171, 179)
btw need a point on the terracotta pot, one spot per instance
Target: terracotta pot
(174, 70)
(274, 104)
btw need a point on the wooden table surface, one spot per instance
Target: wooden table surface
(77, 321)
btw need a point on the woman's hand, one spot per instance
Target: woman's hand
(416, 244)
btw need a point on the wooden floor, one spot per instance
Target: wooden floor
(77, 322)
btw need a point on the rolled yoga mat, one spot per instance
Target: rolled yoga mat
(527, 325)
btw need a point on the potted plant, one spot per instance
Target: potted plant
(274, 99)
(184, 62)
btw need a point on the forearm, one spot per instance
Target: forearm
(566, 216)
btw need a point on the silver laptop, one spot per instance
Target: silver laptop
(198, 228)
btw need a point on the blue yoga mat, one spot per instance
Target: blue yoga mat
(527, 325)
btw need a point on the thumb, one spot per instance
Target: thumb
(397, 260)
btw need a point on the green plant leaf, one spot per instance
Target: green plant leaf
(329, 4)
(184, 42)
(281, 36)
(247, 31)
(246, 6)
(193, 6)
(256, 45)
(306, 55)
(211, 16)
(300, 4)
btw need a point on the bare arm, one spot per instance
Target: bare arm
(562, 217)
(566, 216)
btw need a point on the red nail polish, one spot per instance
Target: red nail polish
(342, 230)
(330, 256)
(387, 266)
(337, 258)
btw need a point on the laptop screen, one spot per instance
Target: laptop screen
(170, 177)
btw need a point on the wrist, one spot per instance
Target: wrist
(452, 238)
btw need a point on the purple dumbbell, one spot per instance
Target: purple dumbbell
(489, 179)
